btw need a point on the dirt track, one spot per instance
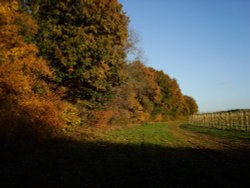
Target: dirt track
(210, 146)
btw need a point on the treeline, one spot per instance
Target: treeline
(63, 63)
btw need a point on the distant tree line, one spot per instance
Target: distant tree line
(63, 63)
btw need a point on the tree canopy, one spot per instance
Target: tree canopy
(64, 63)
(84, 43)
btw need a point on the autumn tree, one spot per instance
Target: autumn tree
(150, 95)
(84, 42)
(144, 82)
(172, 101)
(191, 105)
(28, 107)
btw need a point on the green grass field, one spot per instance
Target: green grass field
(138, 156)
(230, 134)
(148, 134)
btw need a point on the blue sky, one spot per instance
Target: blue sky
(204, 44)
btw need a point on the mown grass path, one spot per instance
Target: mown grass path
(147, 134)
(153, 155)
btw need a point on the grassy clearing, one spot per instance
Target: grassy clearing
(229, 134)
(152, 134)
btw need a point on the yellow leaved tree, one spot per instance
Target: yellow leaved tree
(28, 108)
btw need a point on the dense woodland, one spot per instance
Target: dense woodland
(63, 63)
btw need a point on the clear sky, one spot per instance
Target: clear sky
(204, 44)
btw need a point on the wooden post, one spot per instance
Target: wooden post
(242, 121)
(228, 121)
(247, 121)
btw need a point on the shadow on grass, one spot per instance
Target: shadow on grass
(60, 163)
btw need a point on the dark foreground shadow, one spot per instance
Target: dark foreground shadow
(59, 163)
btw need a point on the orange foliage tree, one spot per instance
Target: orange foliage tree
(148, 92)
(28, 107)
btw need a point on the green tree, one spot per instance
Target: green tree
(84, 42)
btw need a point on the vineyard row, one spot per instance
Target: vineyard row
(232, 120)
